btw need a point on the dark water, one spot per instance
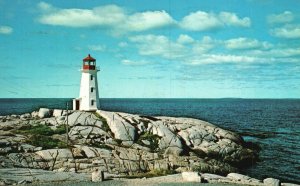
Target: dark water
(272, 123)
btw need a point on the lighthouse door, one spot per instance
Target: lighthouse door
(77, 104)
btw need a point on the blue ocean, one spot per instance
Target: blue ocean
(274, 124)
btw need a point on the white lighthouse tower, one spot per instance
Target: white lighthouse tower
(88, 97)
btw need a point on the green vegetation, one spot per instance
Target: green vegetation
(152, 173)
(61, 129)
(152, 138)
(41, 135)
(45, 142)
(40, 129)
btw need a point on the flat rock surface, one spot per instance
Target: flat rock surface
(32, 175)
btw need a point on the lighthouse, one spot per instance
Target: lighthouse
(88, 96)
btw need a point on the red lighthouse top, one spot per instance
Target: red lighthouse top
(89, 58)
(89, 63)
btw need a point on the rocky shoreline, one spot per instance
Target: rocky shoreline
(120, 144)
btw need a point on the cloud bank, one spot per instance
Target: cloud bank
(121, 21)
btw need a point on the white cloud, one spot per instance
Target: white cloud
(287, 31)
(110, 16)
(101, 16)
(207, 50)
(278, 52)
(184, 39)
(134, 63)
(6, 30)
(219, 58)
(99, 48)
(118, 20)
(201, 21)
(246, 43)
(204, 45)
(229, 18)
(181, 48)
(45, 6)
(158, 45)
(148, 20)
(284, 17)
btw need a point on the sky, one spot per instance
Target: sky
(151, 49)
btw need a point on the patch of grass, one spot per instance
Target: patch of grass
(40, 129)
(152, 138)
(61, 129)
(46, 142)
(152, 173)
(36, 130)
(40, 135)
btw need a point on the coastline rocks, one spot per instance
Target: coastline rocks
(97, 176)
(25, 116)
(57, 112)
(119, 126)
(118, 143)
(243, 179)
(44, 113)
(271, 182)
(12, 176)
(191, 177)
(34, 114)
(55, 154)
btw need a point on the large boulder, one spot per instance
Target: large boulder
(44, 113)
(271, 182)
(120, 127)
(55, 154)
(191, 177)
(57, 112)
(84, 118)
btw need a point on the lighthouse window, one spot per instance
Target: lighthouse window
(92, 89)
(92, 102)
(92, 77)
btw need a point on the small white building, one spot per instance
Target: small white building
(88, 97)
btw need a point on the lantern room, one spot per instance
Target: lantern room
(89, 63)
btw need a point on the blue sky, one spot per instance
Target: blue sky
(151, 49)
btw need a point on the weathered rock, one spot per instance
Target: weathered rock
(34, 114)
(92, 152)
(44, 113)
(271, 182)
(121, 143)
(87, 132)
(27, 148)
(37, 175)
(191, 177)
(212, 178)
(173, 151)
(240, 178)
(57, 112)
(119, 126)
(84, 118)
(55, 154)
(25, 116)
(97, 176)
(169, 139)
